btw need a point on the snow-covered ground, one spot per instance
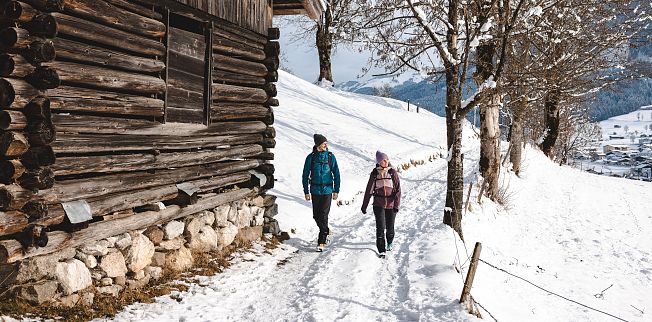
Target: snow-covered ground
(631, 127)
(585, 237)
(636, 123)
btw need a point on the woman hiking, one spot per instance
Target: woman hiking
(385, 186)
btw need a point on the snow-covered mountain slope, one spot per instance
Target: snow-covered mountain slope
(582, 236)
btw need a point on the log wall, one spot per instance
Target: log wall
(254, 15)
(105, 102)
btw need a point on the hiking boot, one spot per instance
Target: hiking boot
(390, 246)
(381, 255)
(321, 247)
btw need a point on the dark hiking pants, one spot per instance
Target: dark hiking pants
(321, 206)
(384, 227)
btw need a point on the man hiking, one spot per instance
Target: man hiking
(322, 176)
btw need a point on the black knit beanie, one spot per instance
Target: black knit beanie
(319, 139)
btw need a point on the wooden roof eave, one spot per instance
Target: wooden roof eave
(311, 8)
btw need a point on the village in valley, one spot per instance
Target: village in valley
(624, 148)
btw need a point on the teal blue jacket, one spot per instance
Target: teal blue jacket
(321, 179)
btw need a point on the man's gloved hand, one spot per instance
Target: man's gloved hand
(364, 211)
(395, 210)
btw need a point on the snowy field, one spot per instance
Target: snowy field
(634, 122)
(630, 126)
(585, 237)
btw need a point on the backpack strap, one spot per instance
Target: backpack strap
(392, 174)
(330, 161)
(313, 155)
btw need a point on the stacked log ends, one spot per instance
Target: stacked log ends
(26, 128)
(272, 49)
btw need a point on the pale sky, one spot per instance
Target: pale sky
(302, 59)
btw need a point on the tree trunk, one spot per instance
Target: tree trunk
(324, 42)
(490, 145)
(489, 109)
(516, 135)
(551, 105)
(455, 178)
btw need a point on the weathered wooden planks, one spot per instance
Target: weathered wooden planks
(108, 36)
(114, 16)
(74, 74)
(67, 98)
(85, 53)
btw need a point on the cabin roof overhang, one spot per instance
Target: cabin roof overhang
(310, 8)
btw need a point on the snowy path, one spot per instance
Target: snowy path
(348, 282)
(571, 232)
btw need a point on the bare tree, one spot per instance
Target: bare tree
(440, 37)
(334, 28)
(384, 90)
(575, 43)
(578, 133)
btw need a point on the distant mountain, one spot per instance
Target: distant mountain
(424, 91)
(430, 93)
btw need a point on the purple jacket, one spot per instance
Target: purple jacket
(386, 190)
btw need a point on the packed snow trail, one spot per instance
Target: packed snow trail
(571, 232)
(348, 282)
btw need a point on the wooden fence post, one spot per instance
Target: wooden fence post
(471, 273)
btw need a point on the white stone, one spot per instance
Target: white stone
(113, 290)
(208, 217)
(226, 235)
(99, 248)
(140, 253)
(120, 280)
(89, 260)
(244, 217)
(173, 244)
(222, 215)
(204, 240)
(139, 275)
(96, 276)
(73, 276)
(111, 241)
(68, 301)
(123, 241)
(179, 260)
(173, 229)
(114, 264)
(87, 299)
(36, 268)
(258, 216)
(195, 222)
(159, 259)
(38, 293)
(259, 201)
(233, 213)
(135, 284)
(106, 281)
(154, 271)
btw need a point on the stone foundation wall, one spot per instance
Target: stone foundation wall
(131, 260)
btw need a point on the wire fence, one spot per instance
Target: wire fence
(468, 260)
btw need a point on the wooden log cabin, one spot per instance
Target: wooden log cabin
(107, 106)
